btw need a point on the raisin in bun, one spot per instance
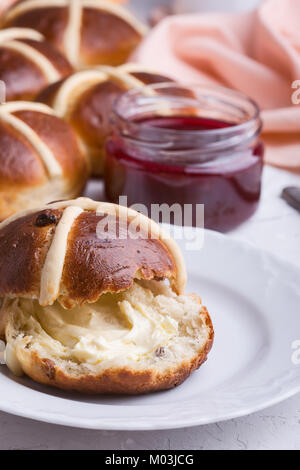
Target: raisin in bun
(28, 63)
(85, 100)
(91, 302)
(40, 158)
(87, 32)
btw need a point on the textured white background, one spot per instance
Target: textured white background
(275, 227)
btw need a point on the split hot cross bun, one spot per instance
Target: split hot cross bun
(85, 100)
(40, 158)
(85, 304)
(88, 32)
(28, 63)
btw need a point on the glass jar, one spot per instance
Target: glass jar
(172, 144)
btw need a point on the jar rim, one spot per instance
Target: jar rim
(181, 147)
(214, 94)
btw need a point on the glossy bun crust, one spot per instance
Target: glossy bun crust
(28, 63)
(60, 252)
(88, 32)
(40, 158)
(85, 100)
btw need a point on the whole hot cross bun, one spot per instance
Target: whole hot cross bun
(40, 158)
(87, 32)
(28, 63)
(85, 100)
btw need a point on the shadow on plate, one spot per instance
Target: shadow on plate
(112, 400)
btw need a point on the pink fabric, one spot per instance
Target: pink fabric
(257, 53)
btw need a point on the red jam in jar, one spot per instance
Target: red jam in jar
(175, 145)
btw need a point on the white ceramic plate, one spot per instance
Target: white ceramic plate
(254, 300)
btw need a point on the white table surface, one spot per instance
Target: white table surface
(275, 227)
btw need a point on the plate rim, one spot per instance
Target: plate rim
(155, 424)
(97, 426)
